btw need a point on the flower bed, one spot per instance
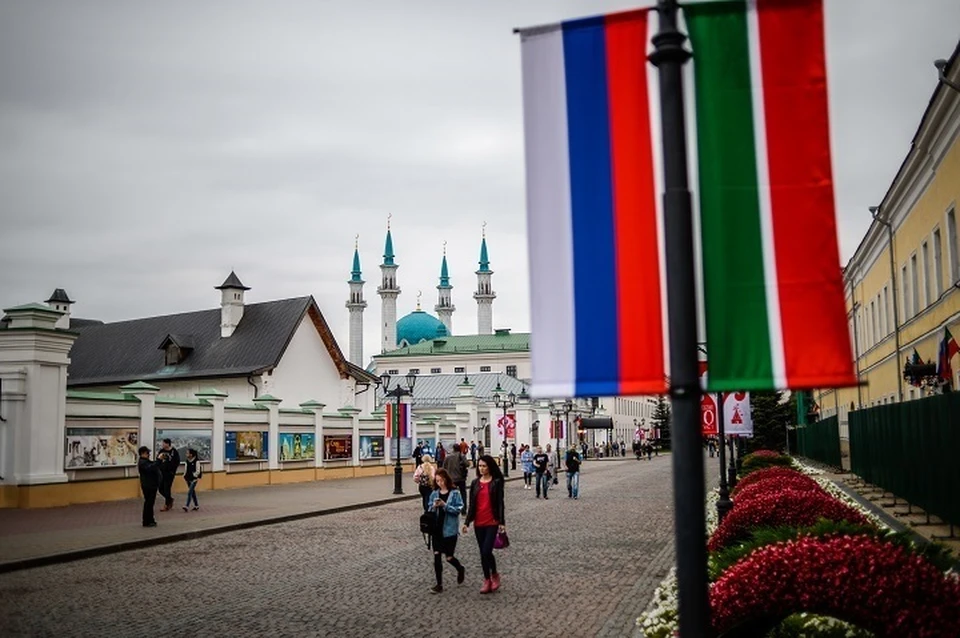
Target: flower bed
(775, 485)
(767, 473)
(788, 508)
(762, 459)
(860, 579)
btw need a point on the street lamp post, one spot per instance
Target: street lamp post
(568, 408)
(397, 393)
(504, 402)
(724, 504)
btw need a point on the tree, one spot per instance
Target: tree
(771, 416)
(661, 418)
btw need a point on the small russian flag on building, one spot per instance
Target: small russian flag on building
(398, 419)
(596, 272)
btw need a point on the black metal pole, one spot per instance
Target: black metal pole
(724, 504)
(688, 473)
(397, 468)
(732, 470)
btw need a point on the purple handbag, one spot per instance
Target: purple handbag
(502, 541)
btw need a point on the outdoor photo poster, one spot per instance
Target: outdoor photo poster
(428, 445)
(371, 447)
(337, 447)
(297, 446)
(246, 446)
(199, 440)
(101, 447)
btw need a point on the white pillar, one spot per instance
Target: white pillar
(217, 400)
(353, 413)
(147, 395)
(273, 434)
(317, 409)
(35, 353)
(524, 422)
(13, 397)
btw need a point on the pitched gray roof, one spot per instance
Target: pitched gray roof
(60, 295)
(127, 351)
(437, 390)
(232, 281)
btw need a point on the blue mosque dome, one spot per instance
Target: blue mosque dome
(419, 326)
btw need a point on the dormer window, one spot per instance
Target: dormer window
(176, 348)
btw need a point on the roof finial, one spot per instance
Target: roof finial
(444, 247)
(419, 294)
(483, 230)
(356, 242)
(389, 215)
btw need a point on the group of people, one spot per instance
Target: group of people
(540, 470)
(444, 497)
(645, 447)
(158, 476)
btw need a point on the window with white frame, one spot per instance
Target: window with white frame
(904, 294)
(914, 286)
(953, 245)
(873, 321)
(937, 263)
(925, 264)
(883, 312)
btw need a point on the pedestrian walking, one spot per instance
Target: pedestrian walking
(526, 464)
(446, 504)
(456, 466)
(464, 448)
(540, 463)
(552, 467)
(169, 459)
(192, 475)
(572, 463)
(473, 453)
(513, 456)
(487, 513)
(480, 449)
(150, 479)
(441, 453)
(418, 454)
(423, 476)
(623, 449)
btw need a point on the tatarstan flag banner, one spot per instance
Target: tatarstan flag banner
(398, 419)
(773, 290)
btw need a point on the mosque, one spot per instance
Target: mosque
(419, 326)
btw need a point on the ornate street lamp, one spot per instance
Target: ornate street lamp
(504, 402)
(397, 393)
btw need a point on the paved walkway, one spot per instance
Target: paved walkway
(32, 537)
(582, 567)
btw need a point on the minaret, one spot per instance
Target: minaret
(445, 307)
(388, 292)
(484, 294)
(355, 304)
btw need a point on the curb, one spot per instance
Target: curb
(126, 546)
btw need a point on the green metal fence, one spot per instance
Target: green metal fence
(911, 449)
(820, 441)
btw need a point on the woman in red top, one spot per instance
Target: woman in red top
(486, 512)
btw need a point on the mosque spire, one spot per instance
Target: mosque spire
(388, 291)
(484, 294)
(388, 247)
(356, 304)
(355, 273)
(445, 307)
(484, 259)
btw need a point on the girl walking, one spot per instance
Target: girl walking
(526, 462)
(192, 477)
(423, 477)
(446, 503)
(486, 512)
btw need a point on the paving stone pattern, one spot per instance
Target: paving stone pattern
(575, 568)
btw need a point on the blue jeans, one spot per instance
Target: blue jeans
(192, 493)
(573, 484)
(542, 479)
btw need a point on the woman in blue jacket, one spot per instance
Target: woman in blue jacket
(446, 503)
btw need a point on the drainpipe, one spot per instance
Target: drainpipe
(256, 391)
(875, 212)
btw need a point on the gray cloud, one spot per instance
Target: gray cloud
(145, 150)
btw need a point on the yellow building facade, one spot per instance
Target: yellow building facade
(898, 305)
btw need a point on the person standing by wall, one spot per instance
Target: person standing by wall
(192, 475)
(446, 504)
(487, 513)
(513, 456)
(456, 466)
(423, 476)
(149, 483)
(169, 464)
(418, 454)
(473, 453)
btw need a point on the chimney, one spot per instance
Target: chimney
(231, 304)
(61, 302)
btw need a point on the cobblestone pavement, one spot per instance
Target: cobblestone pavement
(575, 568)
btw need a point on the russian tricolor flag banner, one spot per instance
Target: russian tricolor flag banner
(591, 202)
(772, 286)
(398, 419)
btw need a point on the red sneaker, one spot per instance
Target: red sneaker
(494, 582)
(487, 584)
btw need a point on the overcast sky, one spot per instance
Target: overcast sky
(146, 149)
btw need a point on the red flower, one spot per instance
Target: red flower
(785, 508)
(763, 454)
(872, 584)
(774, 484)
(769, 472)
